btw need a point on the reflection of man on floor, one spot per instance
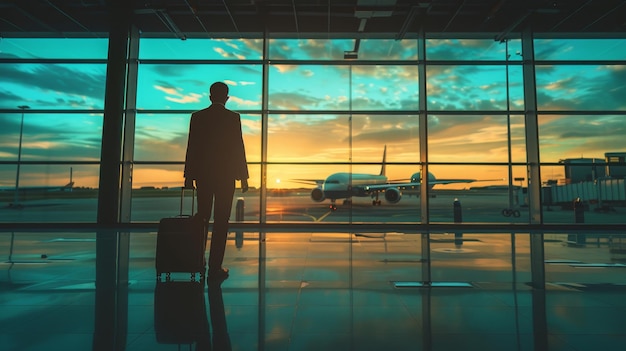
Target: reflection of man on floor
(215, 158)
(220, 340)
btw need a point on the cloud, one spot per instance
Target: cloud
(174, 94)
(228, 55)
(185, 99)
(62, 141)
(464, 49)
(73, 85)
(167, 90)
(394, 135)
(292, 101)
(587, 88)
(241, 102)
(284, 68)
(6, 96)
(171, 70)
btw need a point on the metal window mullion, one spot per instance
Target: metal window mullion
(532, 158)
(262, 274)
(112, 125)
(264, 132)
(423, 149)
(128, 143)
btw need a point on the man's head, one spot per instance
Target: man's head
(219, 92)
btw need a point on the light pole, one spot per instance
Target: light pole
(508, 126)
(16, 202)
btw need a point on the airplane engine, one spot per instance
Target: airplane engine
(317, 195)
(393, 195)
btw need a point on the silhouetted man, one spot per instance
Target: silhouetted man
(215, 158)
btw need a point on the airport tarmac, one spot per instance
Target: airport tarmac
(477, 207)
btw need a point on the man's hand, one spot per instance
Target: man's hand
(189, 183)
(244, 185)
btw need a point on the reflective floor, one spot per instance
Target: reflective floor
(313, 291)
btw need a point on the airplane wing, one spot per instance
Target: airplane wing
(405, 185)
(317, 182)
(382, 187)
(452, 181)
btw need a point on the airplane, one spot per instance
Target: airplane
(345, 185)
(23, 189)
(50, 188)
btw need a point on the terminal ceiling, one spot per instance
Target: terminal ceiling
(357, 18)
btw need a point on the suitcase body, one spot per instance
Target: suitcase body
(181, 243)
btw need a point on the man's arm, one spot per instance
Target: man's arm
(190, 164)
(240, 154)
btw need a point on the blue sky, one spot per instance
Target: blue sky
(316, 88)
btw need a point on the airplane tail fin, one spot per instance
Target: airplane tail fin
(384, 163)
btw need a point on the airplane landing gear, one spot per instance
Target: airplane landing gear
(508, 212)
(376, 202)
(333, 207)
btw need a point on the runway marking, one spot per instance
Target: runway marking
(310, 216)
(323, 216)
(455, 250)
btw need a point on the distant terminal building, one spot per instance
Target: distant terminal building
(595, 181)
(615, 164)
(584, 169)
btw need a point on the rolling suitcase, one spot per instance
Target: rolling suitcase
(181, 243)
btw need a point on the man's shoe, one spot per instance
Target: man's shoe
(217, 275)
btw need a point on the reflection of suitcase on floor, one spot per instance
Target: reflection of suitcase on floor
(180, 313)
(181, 243)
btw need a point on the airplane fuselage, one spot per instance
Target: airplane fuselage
(344, 185)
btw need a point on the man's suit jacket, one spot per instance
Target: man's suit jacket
(215, 148)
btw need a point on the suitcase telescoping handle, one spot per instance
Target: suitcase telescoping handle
(193, 199)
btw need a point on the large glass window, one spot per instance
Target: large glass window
(473, 88)
(470, 49)
(186, 86)
(580, 49)
(471, 138)
(52, 94)
(579, 136)
(342, 119)
(297, 87)
(201, 49)
(338, 142)
(581, 88)
(51, 137)
(52, 86)
(331, 109)
(575, 89)
(335, 49)
(54, 48)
